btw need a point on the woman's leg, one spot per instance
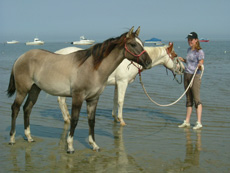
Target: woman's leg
(188, 114)
(196, 94)
(189, 97)
(199, 113)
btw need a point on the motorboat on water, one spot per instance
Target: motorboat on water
(155, 41)
(35, 42)
(12, 42)
(83, 41)
(204, 40)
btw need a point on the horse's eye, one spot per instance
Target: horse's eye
(133, 44)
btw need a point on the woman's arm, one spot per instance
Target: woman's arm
(201, 62)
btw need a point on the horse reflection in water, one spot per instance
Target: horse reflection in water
(116, 159)
(81, 75)
(125, 74)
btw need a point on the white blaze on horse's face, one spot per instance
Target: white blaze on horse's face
(139, 41)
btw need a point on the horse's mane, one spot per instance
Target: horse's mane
(155, 51)
(101, 50)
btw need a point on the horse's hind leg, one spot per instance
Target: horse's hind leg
(122, 86)
(64, 109)
(15, 110)
(27, 108)
(115, 100)
(118, 102)
(91, 110)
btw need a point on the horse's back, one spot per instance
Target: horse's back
(30, 56)
(43, 58)
(45, 69)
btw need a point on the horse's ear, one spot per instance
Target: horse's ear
(170, 46)
(130, 32)
(137, 31)
(170, 43)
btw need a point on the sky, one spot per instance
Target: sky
(67, 20)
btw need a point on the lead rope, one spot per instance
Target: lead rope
(190, 85)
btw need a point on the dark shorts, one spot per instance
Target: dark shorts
(193, 93)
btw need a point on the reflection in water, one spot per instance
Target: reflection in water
(63, 145)
(51, 155)
(122, 162)
(28, 158)
(192, 156)
(122, 158)
(21, 157)
(116, 159)
(13, 158)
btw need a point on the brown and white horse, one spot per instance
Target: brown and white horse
(125, 74)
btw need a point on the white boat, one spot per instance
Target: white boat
(35, 42)
(83, 41)
(12, 42)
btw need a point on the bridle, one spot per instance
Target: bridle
(138, 56)
(175, 60)
(170, 57)
(127, 50)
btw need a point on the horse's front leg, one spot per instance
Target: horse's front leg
(91, 110)
(64, 109)
(77, 101)
(122, 86)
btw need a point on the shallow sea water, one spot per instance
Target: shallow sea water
(151, 141)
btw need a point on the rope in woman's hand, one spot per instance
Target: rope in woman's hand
(190, 84)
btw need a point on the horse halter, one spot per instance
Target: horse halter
(176, 61)
(127, 50)
(169, 54)
(138, 56)
(170, 57)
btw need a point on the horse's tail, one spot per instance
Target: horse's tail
(11, 88)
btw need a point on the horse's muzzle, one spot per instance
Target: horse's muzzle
(147, 64)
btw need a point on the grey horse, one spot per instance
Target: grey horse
(81, 75)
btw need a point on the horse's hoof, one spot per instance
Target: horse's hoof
(29, 140)
(123, 124)
(11, 143)
(70, 152)
(97, 149)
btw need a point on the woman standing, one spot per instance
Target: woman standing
(194, 59)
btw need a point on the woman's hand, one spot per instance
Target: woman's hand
(200, 65)
(182, 59)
